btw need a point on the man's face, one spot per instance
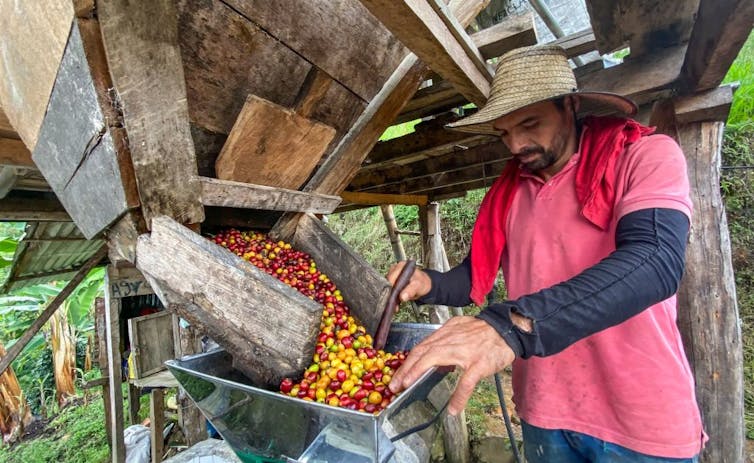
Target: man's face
(538, 135)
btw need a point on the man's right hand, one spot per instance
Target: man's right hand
(419, 285)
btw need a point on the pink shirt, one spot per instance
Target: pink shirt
(629, 384)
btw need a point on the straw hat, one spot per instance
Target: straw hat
(528, 75)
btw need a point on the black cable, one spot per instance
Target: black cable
(506, 418)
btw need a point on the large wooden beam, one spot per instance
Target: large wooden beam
(6, 129)
(377, 199)
(14, 153)
(343, 163)
(710, 105)
(708, 315)
(225, 193)
(444, 47)
(512, 32)
(141, 42)
(34, 37)
(80, 150)
(720, 30)
(19, 345)
(25, 208)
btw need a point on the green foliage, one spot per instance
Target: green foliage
(742, 71)
(399, 130)
(76, 435)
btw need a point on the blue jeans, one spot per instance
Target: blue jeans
(562, 446)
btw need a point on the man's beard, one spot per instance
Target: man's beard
(545, 158)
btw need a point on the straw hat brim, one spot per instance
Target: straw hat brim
(591, 103)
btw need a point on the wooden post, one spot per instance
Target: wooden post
(101, 332)
(708, 314)
(456, 442)
(392, 232)
(133, 403)
(112, 318)
(157, 423)
(191, 420)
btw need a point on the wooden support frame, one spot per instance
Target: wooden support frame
(14, 153)
(226, 193)
(392, 232)
(15, 208)
(112, 323)
(720, 30)
(438, 41)
(345, 160)
(376, 199)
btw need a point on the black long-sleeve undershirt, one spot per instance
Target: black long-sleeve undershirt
(645, 268)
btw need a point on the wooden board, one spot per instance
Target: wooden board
(244, 195)
(512, 32)
(114, 369)
(151, 342)
(341, 38)
(141, 42)
(76, 152)
(34, 38)
(14, 153)
(712, 105)
(644, 25)
(418, 25)
(268, 327)
(272, 145)
(364, 289)
(18, 207)
(6, 129)
(377, 199)
(720, 30)
(129, 282)
(708, 316)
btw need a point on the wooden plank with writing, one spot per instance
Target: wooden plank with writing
(364, 290)
(141, 43)
(129, 282)
(76, 152)
(225, 193)
(269, 327)
(272, 145)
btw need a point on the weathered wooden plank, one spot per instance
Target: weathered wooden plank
(152, 342)
(226, 58)
(711, 105)
(141, 42)
(376, 199)
(19, 345)
(6, 129)
(345, 160)
(272, 145)
(392, 232)
(129, 282)
(512, 32)
(417, 24)
(157, 419)
(493, 41)
(34, 38)
(637, 78)
(114, 369)
(32, 208)
(453, 161)
(644, 25)
(226, 193)
(341, 38)
(75, 151)
(708, 314)
(100, 334)
(14, 153)
(269, 327)
(364, 289)
(577, 43)
(720, 30)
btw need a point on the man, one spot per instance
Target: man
(588, 222)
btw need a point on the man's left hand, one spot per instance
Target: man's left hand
(465, 342)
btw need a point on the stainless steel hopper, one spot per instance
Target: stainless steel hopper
(264, 426)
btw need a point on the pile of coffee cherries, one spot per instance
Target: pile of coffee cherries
(347, 371)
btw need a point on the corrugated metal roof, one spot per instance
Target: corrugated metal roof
(49, 251)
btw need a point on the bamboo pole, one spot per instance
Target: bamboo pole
(392, 231)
